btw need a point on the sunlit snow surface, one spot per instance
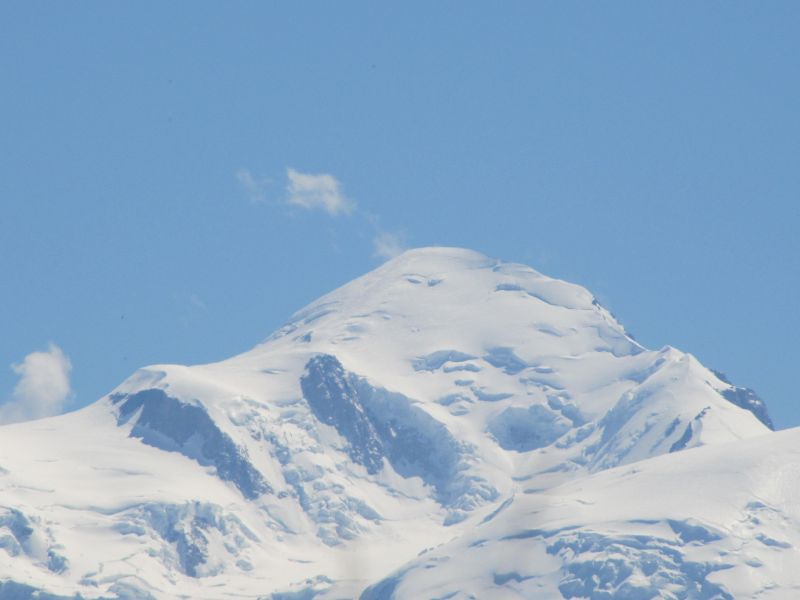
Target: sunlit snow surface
(447, 426)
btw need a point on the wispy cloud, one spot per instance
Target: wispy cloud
(43, 388)
(320, 191)
(254, 188)
(388, 244)
(197, 302)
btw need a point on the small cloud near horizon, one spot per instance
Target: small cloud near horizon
(43, 388)
(317, 191)
(388, 244)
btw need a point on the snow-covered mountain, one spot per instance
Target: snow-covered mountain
(446, 426)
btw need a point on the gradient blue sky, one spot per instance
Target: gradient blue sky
(649, 151)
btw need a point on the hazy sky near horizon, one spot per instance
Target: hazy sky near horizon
(178, 178)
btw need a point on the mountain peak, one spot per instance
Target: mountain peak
(438, 284)
(448, 252)
(441, 257)
(411, 410)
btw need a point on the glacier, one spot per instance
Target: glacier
(446, 426)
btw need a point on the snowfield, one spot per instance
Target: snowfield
(447, 426)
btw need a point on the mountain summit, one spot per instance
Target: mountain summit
(446, 426)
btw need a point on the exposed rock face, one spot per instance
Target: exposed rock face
(169, 424)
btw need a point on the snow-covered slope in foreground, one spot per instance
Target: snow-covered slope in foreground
(446, 426)
(716, 522)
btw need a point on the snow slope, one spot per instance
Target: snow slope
(713, 522)
(446, 426)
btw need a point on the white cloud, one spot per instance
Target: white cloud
(43, 388)
(321, 191)
(254, 188)
(387, 244)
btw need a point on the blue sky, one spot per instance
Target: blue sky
(649, 151)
